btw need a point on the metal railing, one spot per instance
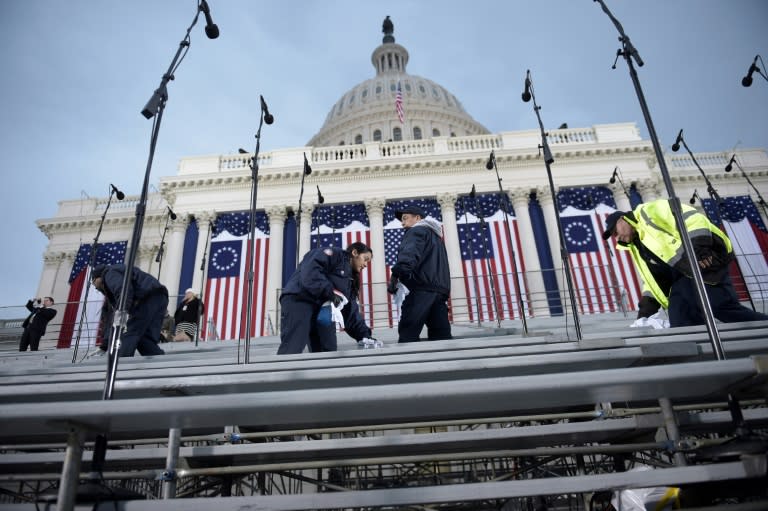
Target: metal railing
(591, 300)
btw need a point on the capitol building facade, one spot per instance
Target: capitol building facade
(500, 224)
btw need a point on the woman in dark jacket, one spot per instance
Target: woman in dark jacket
(323, 275)
(187, 316)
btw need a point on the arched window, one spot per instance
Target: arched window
(397, 134)
(358, 139)
(377, 136)
(416, 133)
(435, 132)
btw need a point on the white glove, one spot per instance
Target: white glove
(400, 294)
(336, 315)
(368, 344)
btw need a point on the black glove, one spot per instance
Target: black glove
(392, 286)
(647, 307)
(336, 300)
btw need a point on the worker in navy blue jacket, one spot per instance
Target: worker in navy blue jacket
(321, 272)
(146, 304)
(422, 267)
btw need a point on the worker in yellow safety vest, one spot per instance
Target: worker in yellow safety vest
(650, 235)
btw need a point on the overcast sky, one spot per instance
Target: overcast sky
(75, 74)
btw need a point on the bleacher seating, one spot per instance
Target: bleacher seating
(299, 424)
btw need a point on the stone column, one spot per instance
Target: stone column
(648, 190)
(459, 302)
(145, 257)
(306, 230)
(61, 291)
(49, 279)
(537, 297)
(203, 248)
(375, 209)
(622, 201)
(277, 216)
(550, 219)
(174, 250)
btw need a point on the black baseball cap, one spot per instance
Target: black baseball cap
(411, 210)
(98, 271)
(610, 223)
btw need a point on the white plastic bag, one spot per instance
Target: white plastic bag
(330, 313)
(336, 316)
(400, 294)
(660, 498)
(657, 321)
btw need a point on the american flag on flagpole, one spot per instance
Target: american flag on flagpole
(106, 253)
(491, 260)
(399, 104)
(226, 287)
(340, 226)
(605, 278)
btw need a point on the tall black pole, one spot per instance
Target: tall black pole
(91, 264)
(305, 172)
(503, 200)
(760, 199)
(710, 189)
(264, 116)
(715, 197)
(617, 175)
(152, 110)
(611, 271)
(548, 160)
(161, 251)
(202, 283)
(316, 216)
(472, 258)
(629, 52)
(494, 284)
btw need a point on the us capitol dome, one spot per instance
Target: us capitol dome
(367, 113)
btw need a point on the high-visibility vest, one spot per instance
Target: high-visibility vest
(657, 231)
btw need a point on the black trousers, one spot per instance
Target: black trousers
(142, 331)
(299, 328)
(30, 338)
(684, 307)
(424, 308)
